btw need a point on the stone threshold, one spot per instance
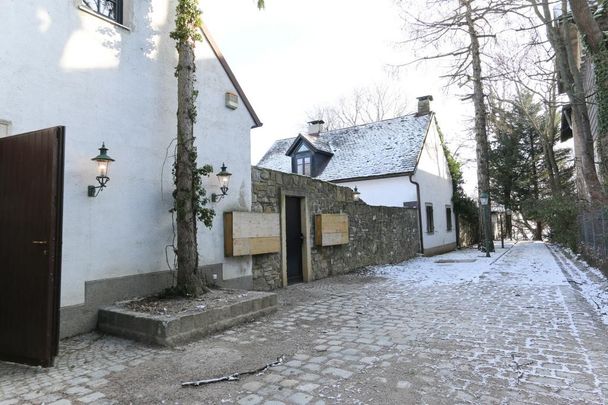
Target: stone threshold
(172, 330)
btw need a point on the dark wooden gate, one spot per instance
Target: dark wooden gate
(31, 191)
(295, 239)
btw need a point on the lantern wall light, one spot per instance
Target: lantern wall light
(356, 194)
(224, 178)
(103, 163)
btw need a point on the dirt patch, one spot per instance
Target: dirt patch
(156, 305)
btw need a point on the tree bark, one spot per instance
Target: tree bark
(586, 24)
(481, 137)
(187, 257)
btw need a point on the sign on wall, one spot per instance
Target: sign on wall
(250, 233)
(331, 229)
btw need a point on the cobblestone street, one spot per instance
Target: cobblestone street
(510, 329)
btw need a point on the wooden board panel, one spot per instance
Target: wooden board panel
(331, 229)
(249, 233)
(256, 246)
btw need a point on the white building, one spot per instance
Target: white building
(396, 162)
(107, 75)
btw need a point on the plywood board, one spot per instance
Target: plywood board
(331, 229)
(250, 233)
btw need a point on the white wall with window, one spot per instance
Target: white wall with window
(107, 83)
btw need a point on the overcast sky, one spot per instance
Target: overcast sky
(296, 55)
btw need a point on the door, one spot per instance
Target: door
(31, 190)
(295, 239)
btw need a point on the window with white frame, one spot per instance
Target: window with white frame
(112, 9)
(303, 165)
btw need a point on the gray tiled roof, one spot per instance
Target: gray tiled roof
(380, 148)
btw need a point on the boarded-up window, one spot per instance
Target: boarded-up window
(430, 223)
(448, 218)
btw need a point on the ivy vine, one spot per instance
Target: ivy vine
(188, 24)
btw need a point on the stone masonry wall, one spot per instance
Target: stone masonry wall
(378, 235)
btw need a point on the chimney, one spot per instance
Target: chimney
(315, 127)
(424, 105)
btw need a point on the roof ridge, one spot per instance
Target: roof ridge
(414, 114)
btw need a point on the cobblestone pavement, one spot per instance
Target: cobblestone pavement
(504, 330)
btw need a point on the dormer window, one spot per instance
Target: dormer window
(111, 9)
(307, 159)
(303, 165)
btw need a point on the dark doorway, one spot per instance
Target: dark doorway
(31, 191)
(295, 239)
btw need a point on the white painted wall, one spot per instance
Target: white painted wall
(433, 175)
(63, 66)
(389, 192)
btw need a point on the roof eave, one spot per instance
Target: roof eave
(426, 133)
(311, 146)
(379, 176)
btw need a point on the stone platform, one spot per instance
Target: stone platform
(171, 330)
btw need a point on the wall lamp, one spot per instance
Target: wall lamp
(224, 178)
(356, 194)
(103, 163)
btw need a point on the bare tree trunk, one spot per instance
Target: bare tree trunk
(481, 136)
(586, 24)
(587, 181)
(570, 75)
(547, 137)
(598, 48)
(187, 257)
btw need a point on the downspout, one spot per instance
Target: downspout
(419, 213)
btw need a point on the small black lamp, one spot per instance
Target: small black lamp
(356, 194)
(224, 178)
(103, 164)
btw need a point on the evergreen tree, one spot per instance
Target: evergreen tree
(521, 177)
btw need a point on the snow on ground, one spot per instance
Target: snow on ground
(523, 263)
(508, 265)
(588, 280)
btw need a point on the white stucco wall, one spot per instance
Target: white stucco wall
(433, 175)
(389, 192)
(63, 66)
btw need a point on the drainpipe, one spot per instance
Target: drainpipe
(419, 213)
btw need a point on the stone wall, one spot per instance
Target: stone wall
(378, 235)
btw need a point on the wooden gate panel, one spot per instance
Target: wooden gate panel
(31, 181)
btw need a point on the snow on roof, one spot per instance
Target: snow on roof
(320, 143)
(380, 148)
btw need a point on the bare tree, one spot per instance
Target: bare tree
(461, 31)
(189, 194)
(560, 36)
(595, 39)
(370, 104)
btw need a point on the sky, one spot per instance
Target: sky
(296, 55)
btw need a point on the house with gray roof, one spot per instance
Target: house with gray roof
(396, 162)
